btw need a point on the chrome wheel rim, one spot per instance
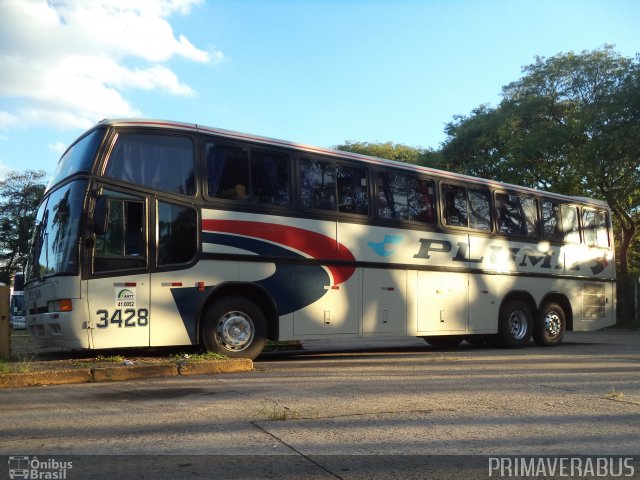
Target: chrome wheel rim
(518, 324)
(552, 324)
(235, 331)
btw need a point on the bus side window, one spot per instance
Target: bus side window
(227, 172)
(421, 201)
(270, 177)
(479, 209)
(570, 227)
(177, 234)
(401, 197)
(516, 215)
(317, 184)
(595, 228)
(353, 194)
(455, 206)
(602, 229)
(392, 196)
(551, 222)
(147, 159)
(123, 243)
(560, 222)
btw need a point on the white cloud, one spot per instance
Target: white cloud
(58, 147)
(7, 119)
(69, 62)
(4, 171)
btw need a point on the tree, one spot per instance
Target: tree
(393, 151)
(20, 194)
(571, 125)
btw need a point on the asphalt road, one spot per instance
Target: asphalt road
(393, 408)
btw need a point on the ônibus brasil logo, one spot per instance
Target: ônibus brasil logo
(34, 468)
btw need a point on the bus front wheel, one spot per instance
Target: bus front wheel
(550, 325)
(516, 324)
(235, 327)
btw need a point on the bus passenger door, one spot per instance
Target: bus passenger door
(176, 298)
(118, 288)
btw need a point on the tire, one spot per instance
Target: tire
(550, 325)
(516, 324)
(235, 327)
(444, 340)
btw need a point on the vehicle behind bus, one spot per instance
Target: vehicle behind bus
(16, 307)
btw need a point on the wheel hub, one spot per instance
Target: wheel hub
(553, 324)
(235, 330)
(518, 324)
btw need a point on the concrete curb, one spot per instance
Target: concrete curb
(123, 372)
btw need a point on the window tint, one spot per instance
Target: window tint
(353, 195)
(325, 186)
(467, 207)
(479, 209)
(595, 224)
(317, 184)
(517, 215)
(78, 158)
(560, 222)
(123, 244)
(259, 176)
(401, 197)
(155, 161)
(228, 172)
(55, 239)
(177, 234)
(455, 206)
(270, 177)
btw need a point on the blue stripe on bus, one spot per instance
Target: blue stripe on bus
(292, 286)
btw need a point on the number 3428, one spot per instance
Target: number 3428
(129, 317)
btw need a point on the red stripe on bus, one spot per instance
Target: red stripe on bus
(313, 244)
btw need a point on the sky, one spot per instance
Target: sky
(318, 72)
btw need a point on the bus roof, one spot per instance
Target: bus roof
(193, 127)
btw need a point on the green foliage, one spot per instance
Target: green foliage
(571, 124)
(20, 194)
(393, 151)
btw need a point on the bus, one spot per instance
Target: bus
(160, 233)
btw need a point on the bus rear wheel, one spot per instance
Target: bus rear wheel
(550, 325)
(516, 324)
(235, 327)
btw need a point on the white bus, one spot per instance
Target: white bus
(157, 233)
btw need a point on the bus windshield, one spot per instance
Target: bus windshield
(55, 243)
(78, 158)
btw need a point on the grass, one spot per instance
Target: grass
(110, 359)
(198, 357)
(272, 411)
(613, 395)
(23, 365)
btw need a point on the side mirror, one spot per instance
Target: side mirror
(101, 215)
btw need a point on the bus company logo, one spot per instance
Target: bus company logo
(36, 469)
(125, 297)
(387, 247)
(126, 294)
